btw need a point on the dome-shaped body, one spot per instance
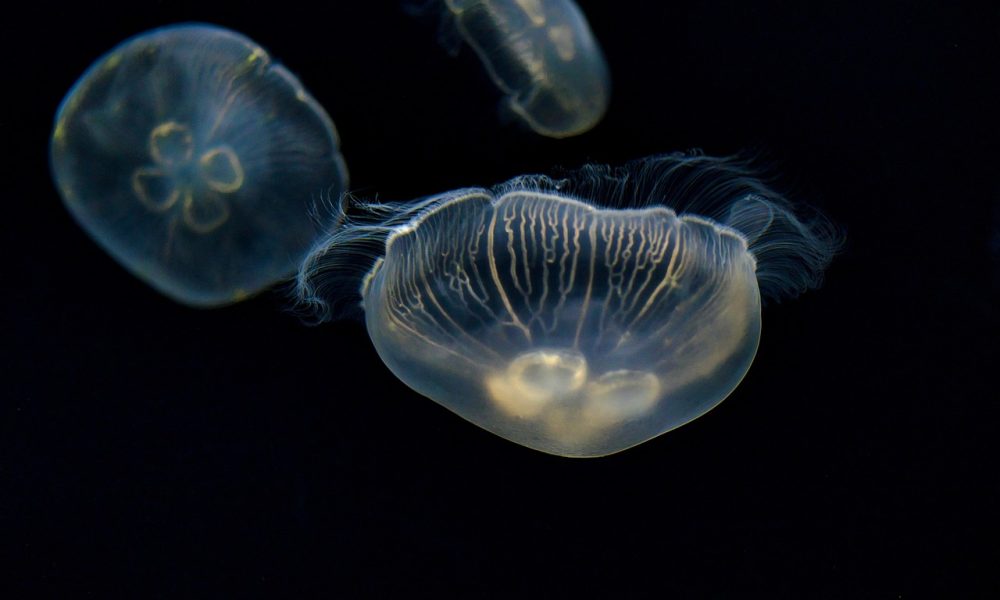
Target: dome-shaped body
(581, 316)
(562, 327)
(543, 57)
(194, 160)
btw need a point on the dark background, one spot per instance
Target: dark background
(155, 449)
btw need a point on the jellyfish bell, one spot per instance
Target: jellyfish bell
(581, 316)
(541, 55)
(193, 159)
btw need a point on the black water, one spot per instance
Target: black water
(147, 449)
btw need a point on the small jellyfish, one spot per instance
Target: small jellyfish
(194, 159)
(542, 56)
(580, 316)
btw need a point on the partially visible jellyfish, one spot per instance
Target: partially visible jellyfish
(580, 316)
(543, 57)
(194, 160)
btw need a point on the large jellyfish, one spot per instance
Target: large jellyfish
(194, 160)
(542, 56)
(581, 316)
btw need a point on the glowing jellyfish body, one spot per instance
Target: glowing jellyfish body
(194, 160)
(542, 56)
(563, 327)
(571, 328)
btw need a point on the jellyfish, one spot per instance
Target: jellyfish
(194, 160)
(577, 316)
(543, 57)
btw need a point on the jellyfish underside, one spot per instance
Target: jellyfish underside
(542, 56)
(565, 328)
(194, 160)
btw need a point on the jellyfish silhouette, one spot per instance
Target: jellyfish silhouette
(193, 159)
(542, 56)
(579, 316)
